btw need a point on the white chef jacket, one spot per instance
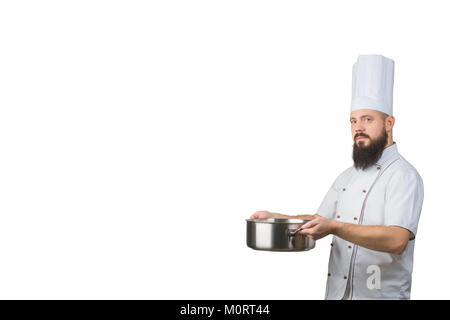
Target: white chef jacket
(389, 193)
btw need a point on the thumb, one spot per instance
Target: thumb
(305, 232)
(309, 224)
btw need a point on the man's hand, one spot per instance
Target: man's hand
(263, 215)
(266, 214)
(318, 228)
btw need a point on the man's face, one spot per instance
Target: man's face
(367, 125)
(369, 136)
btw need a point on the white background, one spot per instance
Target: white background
(137, 136)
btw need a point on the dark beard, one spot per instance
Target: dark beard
(364, 157)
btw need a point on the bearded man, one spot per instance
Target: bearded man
(372, 209)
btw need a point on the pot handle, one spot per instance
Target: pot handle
(292, 233)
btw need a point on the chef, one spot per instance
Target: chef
(372, 208)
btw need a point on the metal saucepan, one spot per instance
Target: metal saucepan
(277, 235)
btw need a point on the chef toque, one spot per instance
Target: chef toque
(373, 83)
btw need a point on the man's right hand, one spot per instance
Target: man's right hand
(266, 215)
(263, 215)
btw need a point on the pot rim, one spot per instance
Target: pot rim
(277, 220)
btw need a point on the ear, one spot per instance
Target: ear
(389, 123)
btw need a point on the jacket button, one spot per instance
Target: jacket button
(355, 218)
(345, 277)
(338, 217)
(378, 168)
(349, 247)
(343, 189)
(329, 274)
(332, 244)
(364, 191)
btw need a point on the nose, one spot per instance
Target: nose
(359, 127)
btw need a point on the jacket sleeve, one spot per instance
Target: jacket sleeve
(327, 208)
(404, 198)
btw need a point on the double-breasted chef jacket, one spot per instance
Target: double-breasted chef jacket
(389, 193)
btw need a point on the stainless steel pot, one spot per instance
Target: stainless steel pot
(277, 235)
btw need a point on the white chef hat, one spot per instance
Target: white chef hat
(373, 83)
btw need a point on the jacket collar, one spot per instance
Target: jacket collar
(389, 154)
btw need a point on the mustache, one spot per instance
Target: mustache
(361, 135)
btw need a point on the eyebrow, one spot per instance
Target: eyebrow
(363, 116)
